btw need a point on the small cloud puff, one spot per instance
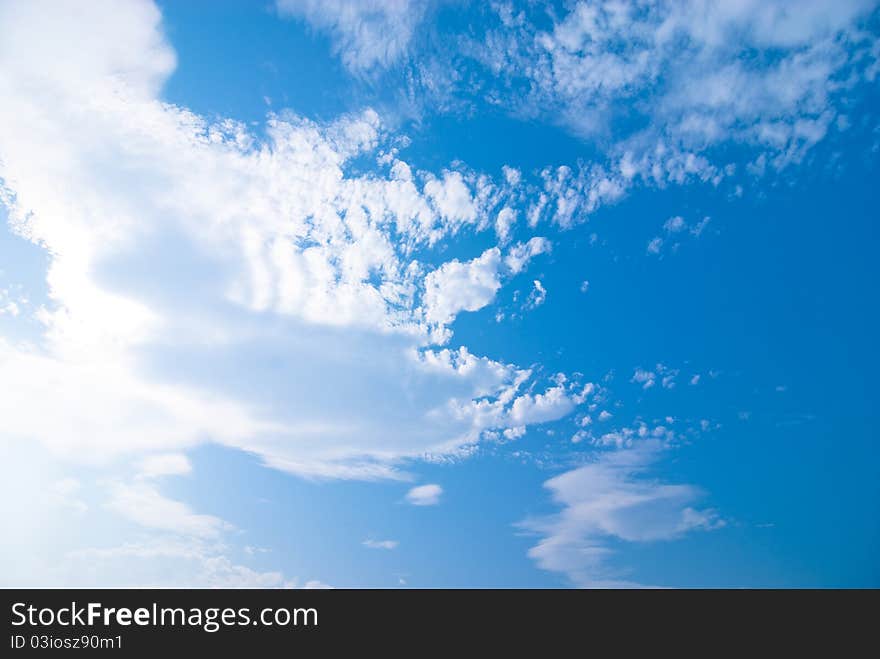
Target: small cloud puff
(380, 544)
(425, 495)
(655, 245)
(537, 296)
(674, 224)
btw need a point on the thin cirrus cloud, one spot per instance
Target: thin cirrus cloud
(381, 544)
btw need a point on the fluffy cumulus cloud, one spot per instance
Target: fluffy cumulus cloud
(612, 498)
(184, 251)
(456, 286)
(548, 406)
(208, 281)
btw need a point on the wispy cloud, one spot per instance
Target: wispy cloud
(425, 495)
(381, 544)
(366, 34)
(612, 499)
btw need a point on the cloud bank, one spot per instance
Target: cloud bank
(209, 285)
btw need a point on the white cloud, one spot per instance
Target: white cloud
(471, 285)
(367, 33)
(698, 74)
(514, 433)
(315, 584)
(122, 533)
(655, 245)
(700, 226)
(146, 506)
(165, 464)
(551, 405)
(674, 224)
(627, 437)
(598, 60)
(538, 295)
(381, 544)
(452, 198)
(644, 378)
(568, 197)
(521, 254)
(11, 301)
(66, 492)
(457, 286)
(138, 52)
(664, 374)
(425, 495)
(162, 563)
(612, 499)
(183, 252)
(503, 222)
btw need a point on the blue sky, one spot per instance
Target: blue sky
(436, 294)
